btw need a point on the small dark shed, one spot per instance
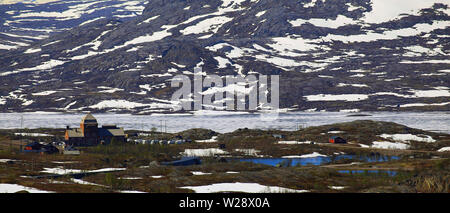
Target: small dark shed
(186, 161)
(33, 147)
(36, 147)
(337, 139)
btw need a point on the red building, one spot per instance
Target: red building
(337, 139)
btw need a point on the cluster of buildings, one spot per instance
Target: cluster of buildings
(160, 142)
(90, 134)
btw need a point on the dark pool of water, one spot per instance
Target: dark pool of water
(316, 160)
(386, 172)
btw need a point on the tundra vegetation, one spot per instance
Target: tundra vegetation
(421, 168)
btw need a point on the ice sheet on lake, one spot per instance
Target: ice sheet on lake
(225, 122)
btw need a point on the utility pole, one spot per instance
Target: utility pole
(165, 126)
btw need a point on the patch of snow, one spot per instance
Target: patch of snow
(203, 152)
(352, 85)
(70, 105)
(6, 160)
(29, 51)
(408, 137)
(329, 23)
(45, 93)
(61, 171)
(149, 19)
(222, 62)
(130, 191)
(259, 14)
(7, 47)
(387, 10)
(241, 187)
(33, 134)
(212, 140)
(48, 65)
(12, 188)
(130, 178)
(337, 187)
(312, 155)
(121, 104)
(82, 182)
(312, 3)
(90, 21)
(294, 142)
(200, 173)
(444, 149)
(423, 104)
(207, 25)
(249, 152)
(388, 35)
(349, 110)
(342, 97)
(336, 132)
(389, 145)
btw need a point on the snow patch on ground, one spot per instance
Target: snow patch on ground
(444, 149)
(337, 187)
(62, 171)
(312, 155)
(12, 188)
(200, 173)
(241, 187)
(408, 137)
(33, 134)
(203, 152)
(212, 140)
(342, 97)
(250, 152)
(294, 142)
(121, 104)
(389, 145)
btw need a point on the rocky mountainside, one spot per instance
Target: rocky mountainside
(335, 55)
(25, 22)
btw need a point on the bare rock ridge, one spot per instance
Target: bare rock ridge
(120, 55)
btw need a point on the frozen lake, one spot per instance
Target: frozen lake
(225, 122)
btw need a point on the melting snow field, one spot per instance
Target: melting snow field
(408, 137)
(389, 145)
(444, 149)
(345, 97)
(61, 171)
(203, 152)
(312, 155)
(241, 187)
(294, 142)
(212, 140)
(226, 121)
(12, 188)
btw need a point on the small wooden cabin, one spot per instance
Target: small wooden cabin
(337, 139)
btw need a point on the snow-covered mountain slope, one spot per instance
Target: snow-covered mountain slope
(24, 22)
(331, 55)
